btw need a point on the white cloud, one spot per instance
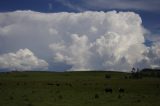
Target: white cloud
(23, 59)
(87, 40)
(151, 57)
(76, 53)
(112, 41)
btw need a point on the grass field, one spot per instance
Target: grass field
(77, 89)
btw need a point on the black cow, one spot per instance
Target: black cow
(108, 90)
(121, 90)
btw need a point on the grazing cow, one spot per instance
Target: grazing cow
(121, 90)
(108, 90)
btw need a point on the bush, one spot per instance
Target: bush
(96, 96)
(119, 96)
(11, 98)
(30, 104)
(125, 77)
(107, 76)
(60, 97)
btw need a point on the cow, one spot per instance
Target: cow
(108, 90)
(121, 90)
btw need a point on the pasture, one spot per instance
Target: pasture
(77, 89)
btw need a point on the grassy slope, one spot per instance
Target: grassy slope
(76, 89)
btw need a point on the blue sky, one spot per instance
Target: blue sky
(148, 10)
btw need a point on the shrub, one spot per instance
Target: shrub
(60, 97)
(125, 77)
(11, 98)
(107, 76)
(30, 104)
(96, 96)
(119, 96)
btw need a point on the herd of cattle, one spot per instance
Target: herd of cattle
(107, 90)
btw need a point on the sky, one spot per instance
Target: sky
(71, 35)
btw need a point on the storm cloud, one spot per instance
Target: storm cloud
(85, 41)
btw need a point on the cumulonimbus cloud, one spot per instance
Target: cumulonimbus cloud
(85, 41)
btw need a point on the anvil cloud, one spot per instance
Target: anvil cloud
(85, 41)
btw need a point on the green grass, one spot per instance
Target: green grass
(77, 89)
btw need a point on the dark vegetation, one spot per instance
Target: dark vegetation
(139, 88)
(150, 73)
(138, 74)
